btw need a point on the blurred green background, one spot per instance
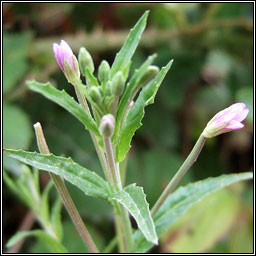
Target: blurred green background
(212, 48)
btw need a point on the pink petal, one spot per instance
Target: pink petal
(234, 125)
(62, 52)
(237, 107)
(241, 116)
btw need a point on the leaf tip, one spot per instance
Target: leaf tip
(146, 13)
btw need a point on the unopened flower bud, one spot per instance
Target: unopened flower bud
(85, 61)
(67, 61)
(104, 69)
(226, 120)
(108, 88)
(95, 94)
(107, 126)
(150, 73)
(118, 84)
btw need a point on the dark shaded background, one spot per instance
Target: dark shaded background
(212, 48)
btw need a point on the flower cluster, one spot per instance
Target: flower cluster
(226, 120)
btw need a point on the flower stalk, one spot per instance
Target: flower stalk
(192, 157)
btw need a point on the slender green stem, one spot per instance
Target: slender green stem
(123, 168)
(192, 157)
(120, 232)
(123, 224)
(126, 223)
(65, 196)
(112, 244)
(111, 162)
(82, 100)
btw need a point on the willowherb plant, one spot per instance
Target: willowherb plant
(112, 117)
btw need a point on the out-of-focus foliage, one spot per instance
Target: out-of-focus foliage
(212, 48)
(205, 224)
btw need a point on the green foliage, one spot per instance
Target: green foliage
(67, 102)
(129, 93)
(124, 56)
(89, 182)
(26, 187)
(15, 66)
(210, 73)
(56, 218)
(134, 200)
(181, 200)
(133, 120)
(53, 245)
(213, 216)
(17, 133)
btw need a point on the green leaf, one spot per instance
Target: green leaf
(124, 56)
(90, 78)
(56, 218)
(134, 200)
(178, 202)
(89, 182)
(66, 101)
(133, 120)
(20, 187)
(129, 93)
(17, 131)
(52, 244)
(15, 66)
(11, 184)
(44, 203)
(214, 216)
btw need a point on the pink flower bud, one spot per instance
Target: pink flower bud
(67, 61)
(107, 126)
(226, 120)
(62, 52)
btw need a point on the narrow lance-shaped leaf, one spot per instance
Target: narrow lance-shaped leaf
(133, 120)
(67, 102)
(52, 244)
(89, 182)
(44, 203)
(90, 78)
(129, 91)
(134, 200)
(125, 54)
(178, 202)
(56, 218)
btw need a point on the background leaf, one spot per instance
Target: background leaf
(56, 218)
(203, 224)
(15, 66)
(134, 200)
(53, 245)
(17, 133)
